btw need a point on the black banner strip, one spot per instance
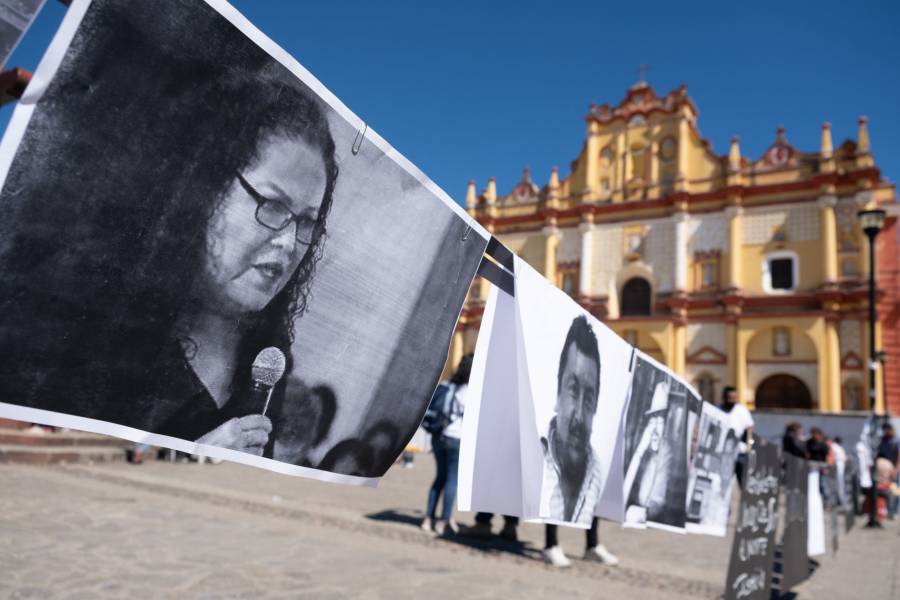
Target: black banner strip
(499, 277)
(501, 254)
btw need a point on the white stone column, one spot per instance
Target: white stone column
(681, 251)
(586, 266)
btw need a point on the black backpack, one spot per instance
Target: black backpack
(437, 416)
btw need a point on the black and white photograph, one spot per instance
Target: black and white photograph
(203, 249)
(572, 476)
(656, 447)
(577, 380)
(711, 474)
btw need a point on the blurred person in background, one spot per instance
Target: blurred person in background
(741, 422)
(446, 451)
(792, 441)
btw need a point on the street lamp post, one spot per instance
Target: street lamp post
(872, 222)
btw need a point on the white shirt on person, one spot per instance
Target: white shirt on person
(457, 408)
(739, 420)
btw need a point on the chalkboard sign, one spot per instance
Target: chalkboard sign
(795, 558)
(750, 569)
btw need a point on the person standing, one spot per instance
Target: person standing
(792, 442)
(840, 469)
(741, 422)
(482, 527)
(593, 549)
(889, 449)
(889, 446)
(445, 444)
(816, 447)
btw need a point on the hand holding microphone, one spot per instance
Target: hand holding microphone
(267, 370)
(246, 434)
(251, 433)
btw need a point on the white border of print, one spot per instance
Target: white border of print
(46, 417)
(13, 136)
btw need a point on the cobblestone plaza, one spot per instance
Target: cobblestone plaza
(226, 531)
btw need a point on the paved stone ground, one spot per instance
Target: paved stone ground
(173, 530)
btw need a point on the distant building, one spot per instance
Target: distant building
(730, 270)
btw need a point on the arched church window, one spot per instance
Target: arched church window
(638, 162)
(636, 297)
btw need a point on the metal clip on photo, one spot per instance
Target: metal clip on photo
(360, 135)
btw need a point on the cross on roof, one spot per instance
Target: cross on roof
(642, 73)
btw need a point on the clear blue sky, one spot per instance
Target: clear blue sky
(469, 89)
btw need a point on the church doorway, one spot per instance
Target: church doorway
(783, 391)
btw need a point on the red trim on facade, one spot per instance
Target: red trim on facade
(725, 193)
(852, 361)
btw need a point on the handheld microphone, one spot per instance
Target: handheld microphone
(268, 368)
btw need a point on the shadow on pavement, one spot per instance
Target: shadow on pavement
(489, 545)
(396, 516)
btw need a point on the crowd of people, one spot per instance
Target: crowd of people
(834, 459)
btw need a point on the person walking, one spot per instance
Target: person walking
(593, 550)
(447, 405)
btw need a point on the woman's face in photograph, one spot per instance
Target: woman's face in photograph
(247, 262)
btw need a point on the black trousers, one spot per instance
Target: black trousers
(551, 535)
(485, 517)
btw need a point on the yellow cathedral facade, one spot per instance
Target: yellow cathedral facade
(730, 270)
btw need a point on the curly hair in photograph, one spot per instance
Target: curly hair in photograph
(107, 204)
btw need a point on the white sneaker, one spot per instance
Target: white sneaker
(427, 525)
(556, 557)
(600, 554)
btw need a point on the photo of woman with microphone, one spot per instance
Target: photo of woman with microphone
(165, 212)
(194, 261)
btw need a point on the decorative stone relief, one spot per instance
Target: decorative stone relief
(607, 257)
(800, 224)
(569, 245)
(718, 372)
(850, 336)
(845, 214)
(707, 233)
(659, 243)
